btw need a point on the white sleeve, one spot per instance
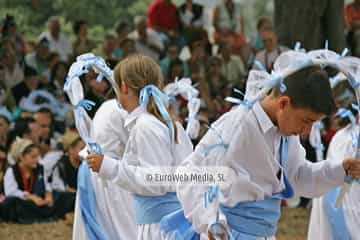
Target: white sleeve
(312, 179)
(192, 196)
(57, 183)
(10, 185)
(147, 148)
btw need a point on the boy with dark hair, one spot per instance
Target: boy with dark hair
(266, 157)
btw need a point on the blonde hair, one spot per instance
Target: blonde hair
(137, 71)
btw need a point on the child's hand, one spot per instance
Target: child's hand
(36, 199)
(95, 161)
(352, 167)
(49, 200)
(220, 229)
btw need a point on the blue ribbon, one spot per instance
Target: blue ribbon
(245, 102)
(259, 65)
(206, 150)
(275, 80)
(87, 199)
(345, 113)
(84, 70)
(319, 125)
(161, 101)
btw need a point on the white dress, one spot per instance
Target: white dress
(253, 156)
(341, 147)
(149, 146)
(114, 210)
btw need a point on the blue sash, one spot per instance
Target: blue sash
(335, 216)
(250, 220)
(247, 220)
(151, 209)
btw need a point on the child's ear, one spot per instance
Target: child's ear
(284, 101)
(124, 89)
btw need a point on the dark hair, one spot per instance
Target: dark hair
(29, 71)
(120, 26)
(29, 148)
(5, 118)
(55, 68)
(21, 128)
(47, 111)
(309, 88)
(261, 21)
(9, 21)
(77, 25)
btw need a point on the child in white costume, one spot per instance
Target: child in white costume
(266, 155)
(155, 141)
(321, 226)
(113, 210)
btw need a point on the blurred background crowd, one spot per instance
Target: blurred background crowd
(214, 44)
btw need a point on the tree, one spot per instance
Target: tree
(311, 22)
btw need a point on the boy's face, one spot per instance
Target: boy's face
(295, 121)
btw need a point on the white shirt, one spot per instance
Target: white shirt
(49, 161)
(149, 146)
(114, 210)
(340, 147)
(11, 79)
(267, 59)
(11, 187)
(253, 154)
(61, 46)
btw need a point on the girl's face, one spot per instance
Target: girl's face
(4, 127)
(31, 158)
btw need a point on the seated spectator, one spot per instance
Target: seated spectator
(10, 32)
(191, 17)
(229, 24)
(28, 194)
(44, 118)
(147, 42)
(123, 29)
(13, 72)
(38, 60)
(171, 55)
(63, 174)
(3, 166)
(5, 120)
(58, 42)
(271, 50)
(263, 24)
(110, 50)
(176, 71)
(25, 128)
(128, 47)
(30, 83)
(82, 43)
(352, 24)
(57, 79)
(162, 16)
(233, 68)
(198, 58)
